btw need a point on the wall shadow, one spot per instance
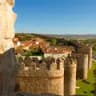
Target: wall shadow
(8, 70)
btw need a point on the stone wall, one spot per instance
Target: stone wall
(8, 65)
(70, 77)
(52, 75)
(82, 66)
(44, 77)
(86, 50)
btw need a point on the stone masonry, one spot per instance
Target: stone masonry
(7, 56)
(70, 76)
(50, 75)
(42, 77)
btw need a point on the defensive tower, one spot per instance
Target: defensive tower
(42, 77)
(70, 76)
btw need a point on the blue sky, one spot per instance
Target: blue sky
(56, 16)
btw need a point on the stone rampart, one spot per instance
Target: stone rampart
(40, 77)
(82, 66)
(70, 77)
(87, 50)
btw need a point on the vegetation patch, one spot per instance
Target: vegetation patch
(87, 87)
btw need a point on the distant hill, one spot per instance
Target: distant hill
(79, 37)
(69, 36)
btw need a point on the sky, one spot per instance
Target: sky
(56, 16)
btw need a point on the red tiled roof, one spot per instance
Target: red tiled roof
(58, 50)
(35, 43)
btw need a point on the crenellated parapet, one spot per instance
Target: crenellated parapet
(52, 75)
(46, 65)
(42, 76)
(71, 59)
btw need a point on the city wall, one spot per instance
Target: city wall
(70, 77)
(44, 77)
(86, 50)
(82, 66)
(51, 75)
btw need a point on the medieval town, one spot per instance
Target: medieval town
(44, 65)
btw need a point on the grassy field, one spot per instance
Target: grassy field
(87, 87)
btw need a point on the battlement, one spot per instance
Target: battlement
(71, 59)
(59, 73)
(45, 67)
(53, 74)
(41, 76)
